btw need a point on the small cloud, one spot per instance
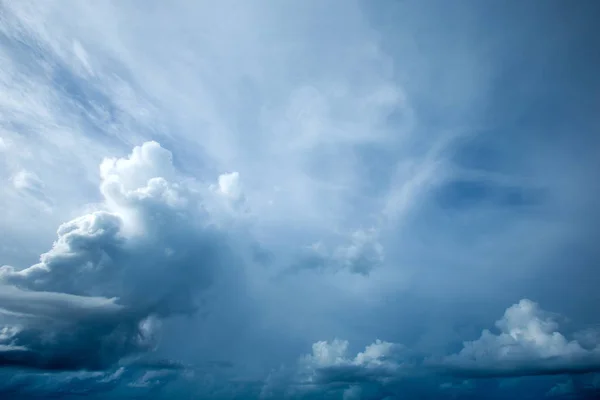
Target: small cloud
(29, 184)
(561, 389)
(363, 254)
(82, 56)
(352, 393)
(330, 362)
(229, 189)
(155, 378)
(229, 185)
(360, 255)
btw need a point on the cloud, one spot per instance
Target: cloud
(576, 387)
(121, 381)
(326, 118)
(561, 389)
(330, 367)
(31, 185)
(229, 185)
(382, 370)
(230, 193)
(32, 385)
(363, 254)
(528, 343)
(86, 303)
(359, 253)
(330, 364)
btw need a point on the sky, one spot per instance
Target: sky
(337, 199)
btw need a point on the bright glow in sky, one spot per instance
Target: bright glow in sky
(336, 199)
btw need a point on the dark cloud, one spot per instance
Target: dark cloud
(58, 331)
(122, 382)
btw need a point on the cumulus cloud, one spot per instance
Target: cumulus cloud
(360, 254)
(329, 363)
(331, 368)
(528, 343)
(100, 292)
(382, 370)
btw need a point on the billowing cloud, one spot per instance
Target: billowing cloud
(329, 363)
(330, 368)
(528, 343)
(99, 293)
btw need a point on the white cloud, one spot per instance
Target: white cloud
(31, 185)
(229, 185)
(82, 56)
(528, 343)
(94, 279)
(327, 354)
(328, 359)
(363, 254)
(331, 368)
(359, 253)
(145, 162)
(25, 179)
(230, 194)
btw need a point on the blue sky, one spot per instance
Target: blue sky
(304, 200)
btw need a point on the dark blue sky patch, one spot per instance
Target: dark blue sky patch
(466, 194)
